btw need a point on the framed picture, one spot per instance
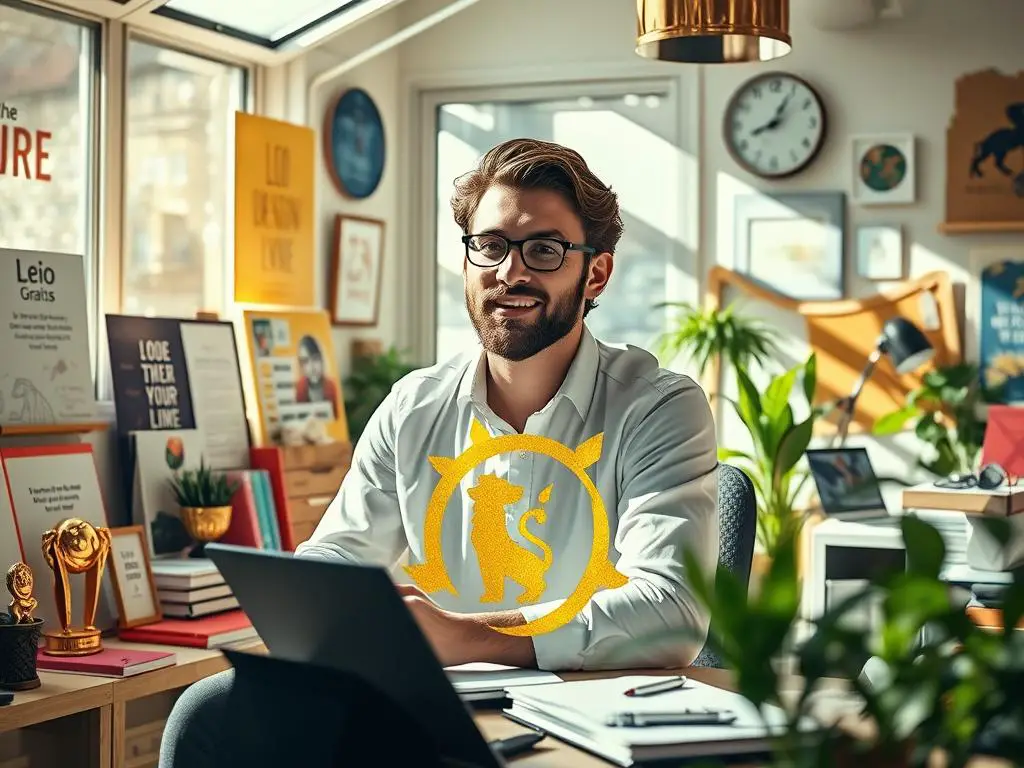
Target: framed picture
(880, 252)
(883, 169)
(994, 330)
(354, 143)
(134, 588)
(356, 270)
(793, 243)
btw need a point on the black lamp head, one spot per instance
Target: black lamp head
(905, 343)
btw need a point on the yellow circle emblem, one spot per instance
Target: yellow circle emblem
(498, 555)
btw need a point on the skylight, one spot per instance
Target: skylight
(270, 23)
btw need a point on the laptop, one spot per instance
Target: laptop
(350, 618)
(847, 485)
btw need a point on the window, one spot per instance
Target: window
(648, 179)
(179, 180)
(47, 127)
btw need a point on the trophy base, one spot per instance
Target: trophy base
(74, 642)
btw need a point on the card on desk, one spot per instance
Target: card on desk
(580, 713)
(482, 682)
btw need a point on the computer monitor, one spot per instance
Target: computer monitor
(846, 482)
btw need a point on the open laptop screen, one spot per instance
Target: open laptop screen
(846, 483)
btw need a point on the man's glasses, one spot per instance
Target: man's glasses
(988, 478)
(541, 254)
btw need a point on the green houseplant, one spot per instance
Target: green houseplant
(709, 335)
(371, 379)
(941, 682)
(204, 497)
(945, 415)
(779, 442)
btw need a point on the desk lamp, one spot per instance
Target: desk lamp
(908, 348)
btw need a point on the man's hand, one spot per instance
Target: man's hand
(460, 638)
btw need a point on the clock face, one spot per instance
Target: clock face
(775, 125)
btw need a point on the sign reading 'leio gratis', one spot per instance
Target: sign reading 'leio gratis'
(274, 197)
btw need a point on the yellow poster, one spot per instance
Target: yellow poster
(294, 373)
(274, 199)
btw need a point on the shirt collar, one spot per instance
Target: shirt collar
(578, 385)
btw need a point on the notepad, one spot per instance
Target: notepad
(479, 681)
(577, 712)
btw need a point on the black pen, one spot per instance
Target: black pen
(515, 745)
(661, 686)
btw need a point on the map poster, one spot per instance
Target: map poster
(294, 372)
(46, 378)
(1001, 326)
(147, 366)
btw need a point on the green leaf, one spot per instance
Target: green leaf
(895, 422)
(724, 454)
(810, 378)
(776, 396)
(749, 406)
(792, 447)
(925, 548)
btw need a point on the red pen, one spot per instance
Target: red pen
(670, 684)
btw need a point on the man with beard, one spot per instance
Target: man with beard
(540, 231)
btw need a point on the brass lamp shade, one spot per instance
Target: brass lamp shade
(712, 31)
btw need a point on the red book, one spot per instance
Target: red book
(110, 662)
(213, 631)
(270, 459)
(244, 530)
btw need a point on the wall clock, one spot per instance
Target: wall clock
(354, 143)
(775, 125)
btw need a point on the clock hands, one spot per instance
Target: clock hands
(776, 120)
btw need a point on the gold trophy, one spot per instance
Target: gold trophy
(75, 547)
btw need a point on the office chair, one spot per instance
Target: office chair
(737, 525)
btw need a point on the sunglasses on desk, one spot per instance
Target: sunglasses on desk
(988, 478)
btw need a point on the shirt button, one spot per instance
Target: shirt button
(522, 454)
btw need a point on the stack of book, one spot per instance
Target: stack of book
(191, 588)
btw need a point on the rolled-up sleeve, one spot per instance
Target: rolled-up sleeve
(364, 522)
(668, 503)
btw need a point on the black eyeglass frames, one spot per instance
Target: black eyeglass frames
(541, 254)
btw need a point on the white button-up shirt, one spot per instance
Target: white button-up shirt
(657, 476)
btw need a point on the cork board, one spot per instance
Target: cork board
(843, 334)
(985, 154)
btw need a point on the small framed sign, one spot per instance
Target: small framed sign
(357, 265)
(134, 588)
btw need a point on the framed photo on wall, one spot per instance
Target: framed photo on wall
(884, 169)
(793, 244)
(357, 265)
(130, 570)
(880, 252)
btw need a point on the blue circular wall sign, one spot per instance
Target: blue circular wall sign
(354, 143)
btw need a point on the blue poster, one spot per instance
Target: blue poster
(356, 142)
(1001, 326)
(150, 377)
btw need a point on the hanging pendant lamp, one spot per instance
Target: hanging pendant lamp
(712, 31)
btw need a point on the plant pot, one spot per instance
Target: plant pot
(205, 524)
(19, 644)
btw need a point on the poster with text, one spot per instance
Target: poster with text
(172, 374)
(46, 376)
(49, 484)
(1001, 328)
(294, 372)
(275, 178)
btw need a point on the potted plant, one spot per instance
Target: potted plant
(779, 442)
(946, 415)
(204, 497)
(371, 380)
(708, 336)
(940, 681)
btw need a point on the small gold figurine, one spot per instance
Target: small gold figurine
(74, 547)
(19, 584)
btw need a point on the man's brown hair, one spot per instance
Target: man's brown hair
(533, 164)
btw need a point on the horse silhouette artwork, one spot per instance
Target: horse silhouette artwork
(1000, 143)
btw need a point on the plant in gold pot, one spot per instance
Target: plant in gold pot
(204, 496)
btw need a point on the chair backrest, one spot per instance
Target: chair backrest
(737, 526)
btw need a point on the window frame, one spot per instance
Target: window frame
(113, 194)
(421, 321)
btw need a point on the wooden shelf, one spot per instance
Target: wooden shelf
(21, 430)
(980, 227)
